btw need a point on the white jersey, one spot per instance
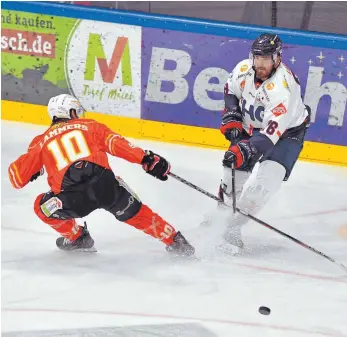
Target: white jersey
(274, 106)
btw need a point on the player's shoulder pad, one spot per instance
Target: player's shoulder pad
(35, 141)
(276, 88)
(241, 69)
(289, 79)
(94, 126)
(85, 120)
(91, 124)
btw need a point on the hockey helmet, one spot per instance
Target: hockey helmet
(60, 107)
(267, 45)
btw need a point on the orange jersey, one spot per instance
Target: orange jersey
(67, 142)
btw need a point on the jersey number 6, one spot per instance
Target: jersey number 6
(74, 145)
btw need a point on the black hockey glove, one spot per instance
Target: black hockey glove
(231, 126)
(156, 165)
(37, 174)
(240, 154)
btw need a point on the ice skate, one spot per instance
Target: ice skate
(180, 246)
(233, 243)
(84, 243)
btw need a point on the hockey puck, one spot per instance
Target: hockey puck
(264, 310)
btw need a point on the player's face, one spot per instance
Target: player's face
(263, 66)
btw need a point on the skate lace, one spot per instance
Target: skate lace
(66, 241)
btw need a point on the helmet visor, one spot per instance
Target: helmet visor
(262, 60)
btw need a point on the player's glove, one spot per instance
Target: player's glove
(231, 126)
(240, 154)
(37, 174)
(156, 165)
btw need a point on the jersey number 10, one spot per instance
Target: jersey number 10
(74, 145)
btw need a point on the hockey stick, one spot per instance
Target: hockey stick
(233, 182)
(212, 196)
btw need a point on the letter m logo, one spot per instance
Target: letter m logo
(108, 71)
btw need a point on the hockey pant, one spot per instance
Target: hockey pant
(254, 189)
(98, 188)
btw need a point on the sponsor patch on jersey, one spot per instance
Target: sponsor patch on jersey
(285, 84)
(270, 86)
(51, 206)
(279, 110)
(244, 68)
(242, 85)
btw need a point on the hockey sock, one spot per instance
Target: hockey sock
(152, 224)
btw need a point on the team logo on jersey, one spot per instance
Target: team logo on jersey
(252, 112)
(242, 85)
(279, 110)
(285, 84)
(270, 86)
(243, 68)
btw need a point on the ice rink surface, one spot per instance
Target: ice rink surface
(131, 284)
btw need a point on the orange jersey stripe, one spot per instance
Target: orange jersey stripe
(17, 174)
(12, 177)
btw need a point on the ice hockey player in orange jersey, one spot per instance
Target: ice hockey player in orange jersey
(74, 152)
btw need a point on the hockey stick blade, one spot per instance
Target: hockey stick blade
(302, 244)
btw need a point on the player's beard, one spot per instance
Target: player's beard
(262, 73)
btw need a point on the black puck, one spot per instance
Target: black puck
(264, 310)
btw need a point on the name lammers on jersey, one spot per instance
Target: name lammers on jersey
(276, 102)
(57, 130)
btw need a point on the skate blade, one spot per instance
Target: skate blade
(87, 250)
(182, 259)
(80, 250)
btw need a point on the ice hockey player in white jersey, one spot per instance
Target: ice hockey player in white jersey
(265, 120)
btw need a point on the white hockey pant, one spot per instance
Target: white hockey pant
(253, 190)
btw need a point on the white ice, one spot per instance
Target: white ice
(131, 279)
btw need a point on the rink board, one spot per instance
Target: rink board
(167, 132)
(159, 77)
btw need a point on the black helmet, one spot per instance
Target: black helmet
(267, 44)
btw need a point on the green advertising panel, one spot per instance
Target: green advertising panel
(33, 47)
(98, 62)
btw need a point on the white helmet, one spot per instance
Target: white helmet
(60, 106)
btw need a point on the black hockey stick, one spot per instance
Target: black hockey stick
(233, 182)
(212, 196)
